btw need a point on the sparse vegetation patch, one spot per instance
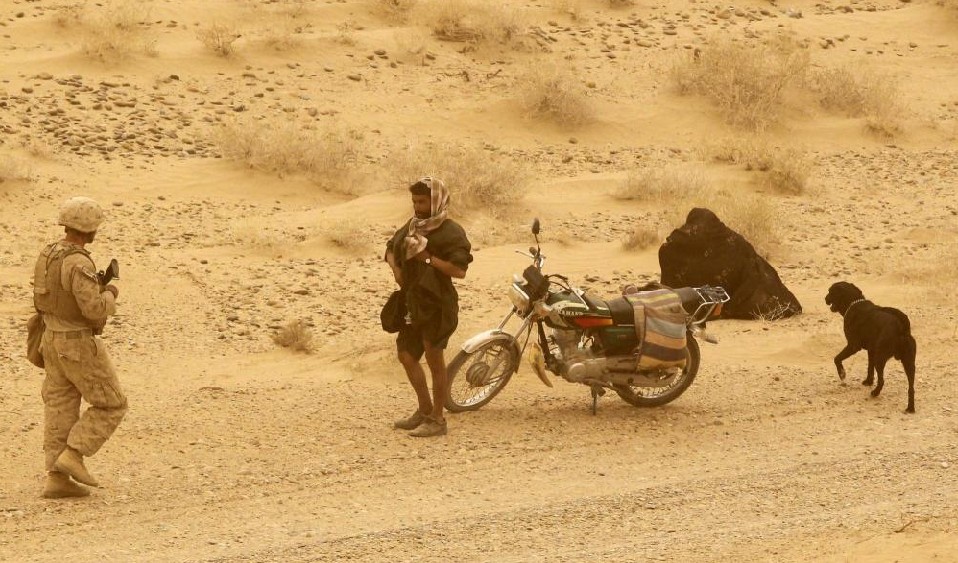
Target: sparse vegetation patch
(745, 81)
(474, 21)
(477, 179)
(862, 93)
(327, 157)
(296, 336)
(551, 92)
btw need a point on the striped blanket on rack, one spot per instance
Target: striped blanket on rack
(660, 328)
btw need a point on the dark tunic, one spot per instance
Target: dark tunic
(431, 298)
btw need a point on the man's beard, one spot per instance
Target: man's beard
(423, 215)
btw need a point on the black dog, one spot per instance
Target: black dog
(883, 332)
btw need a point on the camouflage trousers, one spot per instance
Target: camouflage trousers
(78, 367)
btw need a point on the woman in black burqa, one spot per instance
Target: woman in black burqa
(425, 254)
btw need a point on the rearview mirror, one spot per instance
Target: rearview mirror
(535, 226)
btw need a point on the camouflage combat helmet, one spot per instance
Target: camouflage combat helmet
(81, 213)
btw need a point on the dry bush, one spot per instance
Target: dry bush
(351, 235)
(474, 21)
(785, 170)
(396, 10)
(621, 3)
(664, 183)
(296, 336)
(327, 157)
(571, 8)
(641, 238)
(411, 44)
(284, 34)
(13, 169)
(747, 82)
(67, 15)
(477, 179)
(552, 92)
(862, 93)
(116, 30)
(752, 216)
(219, 38)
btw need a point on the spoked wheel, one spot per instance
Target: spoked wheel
(658, 396)
(475, 378)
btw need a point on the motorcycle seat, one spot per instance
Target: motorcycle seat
(623, 312)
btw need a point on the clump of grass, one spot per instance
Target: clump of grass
(327, 157)
(752, 216)
(477, 179)
(553, 93)
(396, 10)
(351, 235)
(785, 170)
(862, 93)
(116, 30)
(219, 38)
(746, 82)
(67, 15)
(284, 35)
(13, 170)
(296, 336)
(640, 238)
(473, 21)
(665, 183)
(621, 3)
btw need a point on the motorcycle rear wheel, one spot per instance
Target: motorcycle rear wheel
(658, 396)
(476, 378)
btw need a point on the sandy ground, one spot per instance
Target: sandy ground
(237, 450)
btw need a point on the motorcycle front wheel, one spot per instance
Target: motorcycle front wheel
(658, 396)
(475, 378)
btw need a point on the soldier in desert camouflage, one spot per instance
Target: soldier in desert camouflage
(75, 306)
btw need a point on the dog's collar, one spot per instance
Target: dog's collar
(852, 304)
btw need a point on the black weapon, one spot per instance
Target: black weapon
(112, 272)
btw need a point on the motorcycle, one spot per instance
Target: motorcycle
(580, 338)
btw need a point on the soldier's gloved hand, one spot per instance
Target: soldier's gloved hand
(113, 289)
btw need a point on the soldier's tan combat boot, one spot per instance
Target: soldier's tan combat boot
(71, 463)
(59, 485)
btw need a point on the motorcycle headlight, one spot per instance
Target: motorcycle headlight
(519, 298)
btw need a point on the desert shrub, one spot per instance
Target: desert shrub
(296, 336)
(640, 238)
(746, 82)
(785, 170)
(621, 3)
(553, 93)
(284, 34)
(67, 15)
(662, 184)
(396, 10)
(752, 216)
(862, 93)
(477, 179)
(327, 157)
(116, 30)
(348, 234)
(13, 169)
(219, 38)
(411, 44)
(474, 21)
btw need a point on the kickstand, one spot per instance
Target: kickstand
(596, 393)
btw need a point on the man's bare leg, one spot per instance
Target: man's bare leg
(440, 380)
(417, 377)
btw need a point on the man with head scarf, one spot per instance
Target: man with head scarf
(425, 254)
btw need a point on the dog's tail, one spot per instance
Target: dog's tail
(907, 347)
